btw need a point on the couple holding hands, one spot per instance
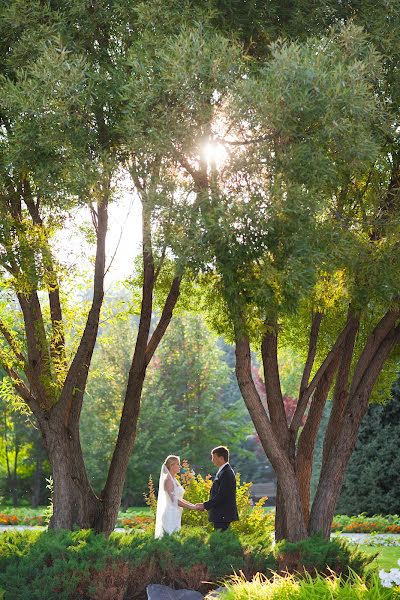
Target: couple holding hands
(221, 506)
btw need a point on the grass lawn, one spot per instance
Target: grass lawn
(388, 556)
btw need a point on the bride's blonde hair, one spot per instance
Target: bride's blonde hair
(171, 458)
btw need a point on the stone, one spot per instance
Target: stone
(214, 594)
(163, 592)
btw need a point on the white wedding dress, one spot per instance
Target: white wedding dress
(169, 514)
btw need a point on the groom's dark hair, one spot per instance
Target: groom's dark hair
(221, 451)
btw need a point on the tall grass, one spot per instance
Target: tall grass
(307, 588)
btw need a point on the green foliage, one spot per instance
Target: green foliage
(65, 565)
(307, 588)
(316, 554)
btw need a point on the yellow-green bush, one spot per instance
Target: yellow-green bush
(308, 588)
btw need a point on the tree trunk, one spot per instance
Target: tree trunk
(37, 483)
(280, 516)
(345, 437)
(330, 483)
(74, 502)
(112, 493)
(295, 528)
(15, 474)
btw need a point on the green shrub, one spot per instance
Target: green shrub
(317, 554)
(67, 565)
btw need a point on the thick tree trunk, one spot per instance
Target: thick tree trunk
(345, 437)
(74, 502)
(112, 493)
(280, 516)
(295, 528)
(331, 480)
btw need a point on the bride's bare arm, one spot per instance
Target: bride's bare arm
(170, 489)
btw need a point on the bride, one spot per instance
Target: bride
(170, 502)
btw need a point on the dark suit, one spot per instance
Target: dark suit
(221, 506)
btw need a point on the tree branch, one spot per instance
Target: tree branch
(276, 408)
(39, 371)
(312, 350)
(275, 451)
(303, 401)
(23, 391)
(57, 348)
(342, 384)
(333, 468)
(9, 337)
(165, 319)
(71, 397)
(379, 333)
(199, 176)
(308, 435)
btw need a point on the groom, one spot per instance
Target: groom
(221, 506)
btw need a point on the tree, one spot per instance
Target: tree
(63, 141)
(297, 217)
(294, 235)
(283, 274)
(296, 260)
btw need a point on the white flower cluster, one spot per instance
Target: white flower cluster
(388, 579)
(382, 539)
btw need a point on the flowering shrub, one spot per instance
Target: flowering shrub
(11, 519)
(253, 519)
(8, 519)
(143, 522)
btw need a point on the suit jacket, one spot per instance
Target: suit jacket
(222, 506)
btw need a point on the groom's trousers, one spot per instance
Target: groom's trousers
(221, 526)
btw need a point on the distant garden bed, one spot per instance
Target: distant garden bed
(363, 524)
(141, 518)
(131, 518)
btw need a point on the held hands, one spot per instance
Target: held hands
(198, 506)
